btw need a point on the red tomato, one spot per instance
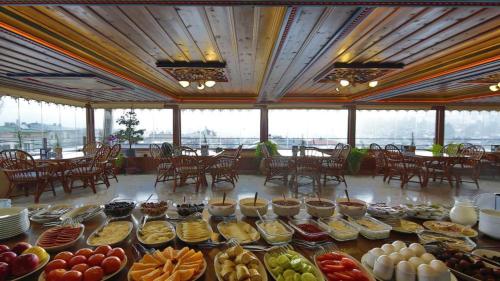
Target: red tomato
(332, 277)
(96, 260)
(358, 275)
(93, 274)
(76, 260)
(55, 264)
(80, 267)
(111, 265)
(64, 256)
(332, 262)
(73, 275)
(56, 275)
(103, 249)
(348, 263)
(117, 252)
(84, 252)
(330, 256)
(343, 276)
(332, 268)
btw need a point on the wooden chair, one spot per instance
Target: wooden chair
(334, 167)
(188, 151)
(403, 168)
(164, 168)
(306, 167)
(441, 168)
(223, 170)
(187, 167)
(91, 148)
(21, 170)
(90, 172)
(377, 153)
(469, 164)
(276, 167)
(110, 168)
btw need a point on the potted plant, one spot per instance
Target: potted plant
(57, 148)
(130, 134)
(120, 159)
(436, 149)
(355, 158)
(272, 148)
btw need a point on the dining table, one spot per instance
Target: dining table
(355, 248)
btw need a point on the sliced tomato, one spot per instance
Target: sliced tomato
(331, 262)
(359, 275)
(332, 268)
(332, 277)
(348, 263)
(344, 277)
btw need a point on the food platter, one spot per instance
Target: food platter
(362, 267)
(218, 268)
(156, 227)
(193, 231)
(408, 227)
(51, 213)
(458, 243)
(85, 213)
(125, 228)
(426, 211)
(57, 230)
(450, 228)
(41, 265)
(317, 273)
(243, 232)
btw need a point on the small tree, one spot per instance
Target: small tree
(130, 134)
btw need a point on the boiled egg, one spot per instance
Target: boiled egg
(398, 245)
(407, 253)
(417, 248)
(405, 272)
(388, 248)
(383, 268)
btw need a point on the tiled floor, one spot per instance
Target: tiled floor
(139, 187)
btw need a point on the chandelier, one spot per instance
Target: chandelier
(197, 74)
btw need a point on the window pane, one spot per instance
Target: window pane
(157, 124)
(476, 127)
(315, 127)
(395, 127)
(220, 128)
(9, 117)
(99, 125)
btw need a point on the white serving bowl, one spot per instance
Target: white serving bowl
(354, 211)
(286, 210)
(320, 211)
(222, 211)
(489, 220)
(248, 209)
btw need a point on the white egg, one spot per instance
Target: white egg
(398, 244)
(427, 257)
(396, 257)
(405, 272)
(426, 273)
(417, 248)
(373, 255)
(407, 253)
(388, 248)
(441, 269)
(416, 261)
(383, 268)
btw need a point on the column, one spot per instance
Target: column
(89, 114)
(351, 125)
(439, 129)
(108, 123)
(176, 134)
(264, 123)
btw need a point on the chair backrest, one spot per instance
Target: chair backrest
(155, 151)
(115, 150)
(463, 146)
(188, 151)
(16, 159)
(393, 155)
(345, 151)
(238, 151)
(91, 148)
(101, 156)
(167, 149)
(264, 150)
(312, 151)
(473, 153)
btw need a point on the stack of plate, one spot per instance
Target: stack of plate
(14, 221)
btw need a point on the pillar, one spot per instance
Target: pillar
(351, 125)
(176, 134)
(439, 129)
(264, 123)
(90, 125)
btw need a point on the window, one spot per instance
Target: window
(314, 127)
(99, 125)
(476, 127)
(225, 128)
(24, 124)
(157, 124)
(395, 127)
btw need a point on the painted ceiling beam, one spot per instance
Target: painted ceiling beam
(358, 3)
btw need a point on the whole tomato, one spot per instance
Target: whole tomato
(94, 273)
(73, 275)
(55, 264)
(77, 260)
(96, 260)
(103, 249)
(111, 265)
(64, 256)
(80, 267)
(56, 275)
(84, 252)
(117, 252)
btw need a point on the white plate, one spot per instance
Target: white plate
(362, 267)
(130, 227)
(62, 246)
(8, 213)
(179, 233)
(155, 245)
(106, 277)
(318, 274)
(217, 267)
(196, 277)
(37, 219)
(42, 264)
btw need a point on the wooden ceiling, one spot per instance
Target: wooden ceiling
(273, 54)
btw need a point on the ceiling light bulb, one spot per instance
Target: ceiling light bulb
(184, 83)
(200, 86)
(344, 83)
(373, 84)
(210, 83)
(493, 88)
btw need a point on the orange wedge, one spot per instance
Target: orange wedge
(152, 275)
(181, 252)
(150, 259)
(168, 267)
(169, 253)
(140, 266)
(186, 274)
(137, 274)
(159, 256)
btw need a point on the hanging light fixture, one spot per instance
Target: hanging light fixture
(373, 84)
(344, 83)
(184, 83)
(337, 89)
(200, 86)
(209, 83)
(494, 88)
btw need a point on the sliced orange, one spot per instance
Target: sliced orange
(168, 267)
(181, 252)
(186, 274)
(162, 277)
(152, 275)
(137, 274)
(169, 253)
(159, 256)
(150, 259)
(174, 277)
